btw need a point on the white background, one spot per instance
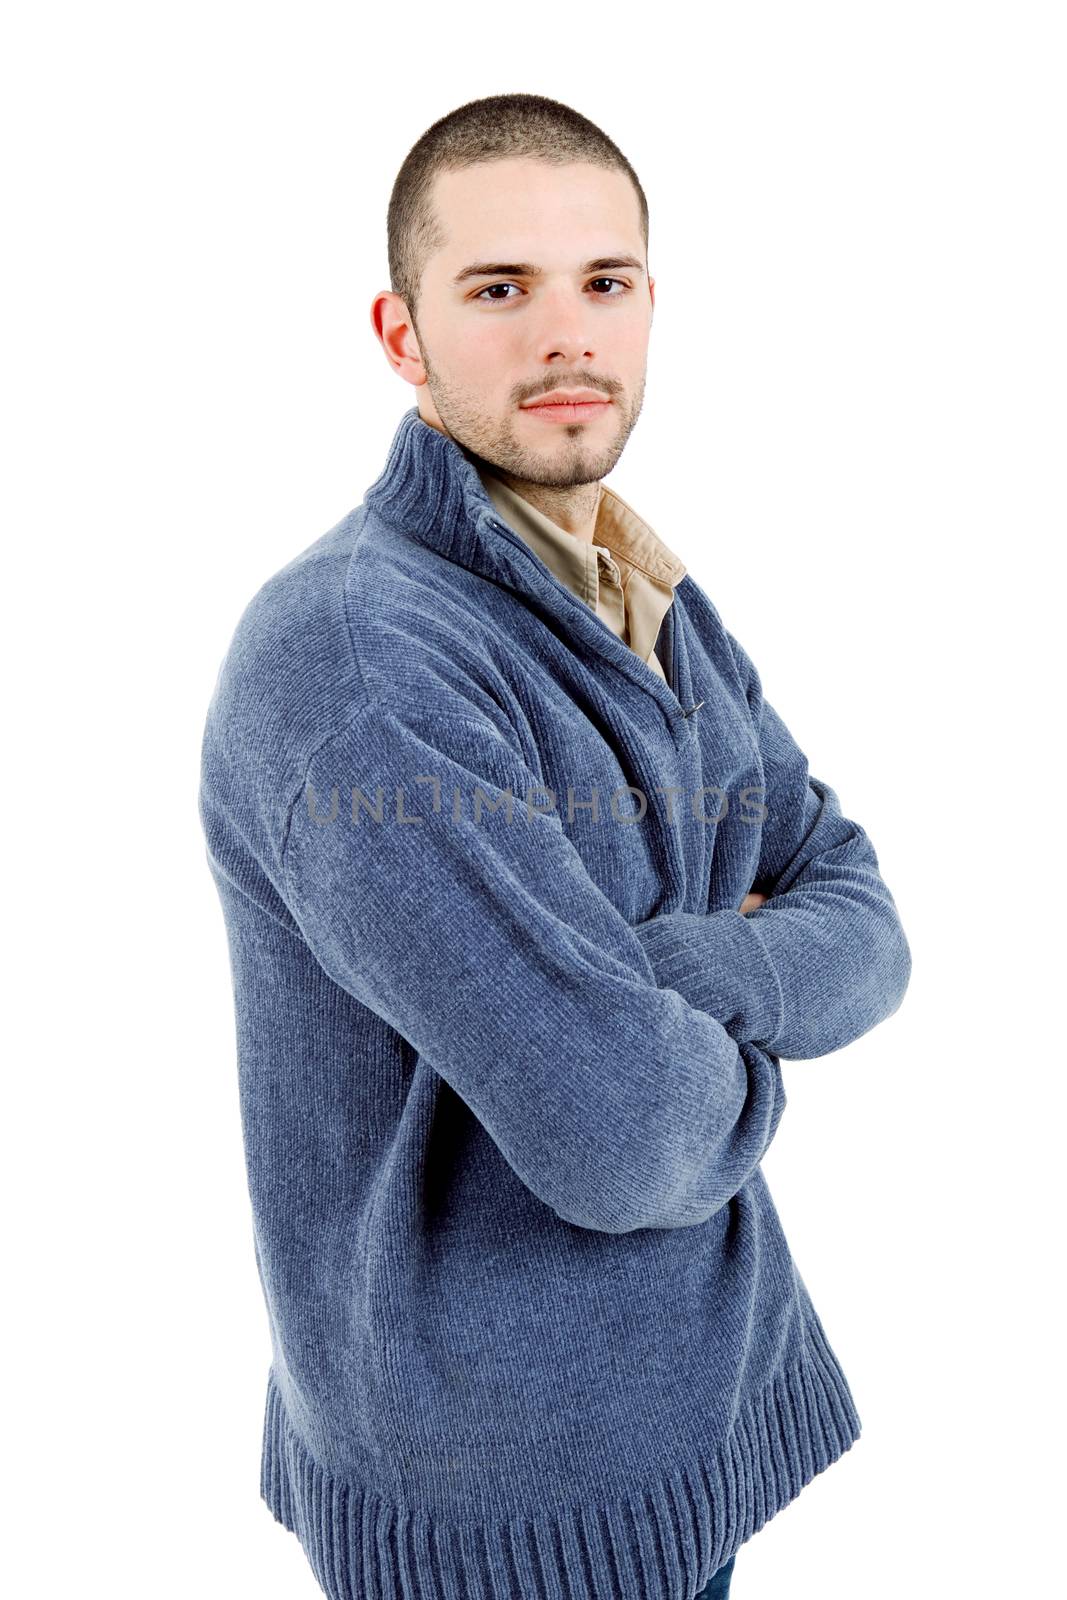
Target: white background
(853, 433)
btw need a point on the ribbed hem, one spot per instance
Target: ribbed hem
(718, 963)
(663, 1541)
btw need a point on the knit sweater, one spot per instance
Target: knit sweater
(509, 1059)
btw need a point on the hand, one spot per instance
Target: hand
(750, 903)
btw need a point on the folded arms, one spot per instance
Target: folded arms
(828, 930)
(488, 946)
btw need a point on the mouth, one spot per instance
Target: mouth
(568, 410)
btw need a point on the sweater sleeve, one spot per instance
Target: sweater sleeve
(427, 887)
(829, 930)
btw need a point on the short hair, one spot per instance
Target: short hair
(497, 128)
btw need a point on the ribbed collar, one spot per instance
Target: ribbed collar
(430, 491)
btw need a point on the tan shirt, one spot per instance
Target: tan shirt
(627, 574)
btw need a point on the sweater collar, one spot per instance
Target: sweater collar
(430, 491)
(431, 488)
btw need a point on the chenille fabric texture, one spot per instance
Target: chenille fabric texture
(506, 1077)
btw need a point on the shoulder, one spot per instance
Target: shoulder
(287, 664)
(363, 616)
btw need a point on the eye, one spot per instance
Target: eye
(500, 300)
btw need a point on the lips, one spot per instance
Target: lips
(555, 410)
(568, 397)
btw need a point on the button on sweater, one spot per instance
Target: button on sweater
(509, 1058)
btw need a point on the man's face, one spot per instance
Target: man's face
(490, 341)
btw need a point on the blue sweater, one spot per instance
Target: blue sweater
(509, 1059)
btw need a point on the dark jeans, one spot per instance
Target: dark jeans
(718, 1587)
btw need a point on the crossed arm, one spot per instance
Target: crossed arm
(628, 1075)
(825, 925)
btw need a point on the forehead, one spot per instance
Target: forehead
(528, 209)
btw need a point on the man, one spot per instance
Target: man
(528, 890)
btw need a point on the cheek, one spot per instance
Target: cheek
(487, 361)
(490, 341)
(631, 340)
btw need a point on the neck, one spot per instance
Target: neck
(574, 509)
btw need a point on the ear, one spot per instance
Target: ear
(392, 325)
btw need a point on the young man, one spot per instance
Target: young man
(528, 890)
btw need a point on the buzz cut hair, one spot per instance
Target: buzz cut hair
(497, 128)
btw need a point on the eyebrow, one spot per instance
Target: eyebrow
(525, 269)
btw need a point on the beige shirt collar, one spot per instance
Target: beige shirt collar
(646, 568)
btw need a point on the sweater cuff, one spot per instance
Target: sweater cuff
(717, 962)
